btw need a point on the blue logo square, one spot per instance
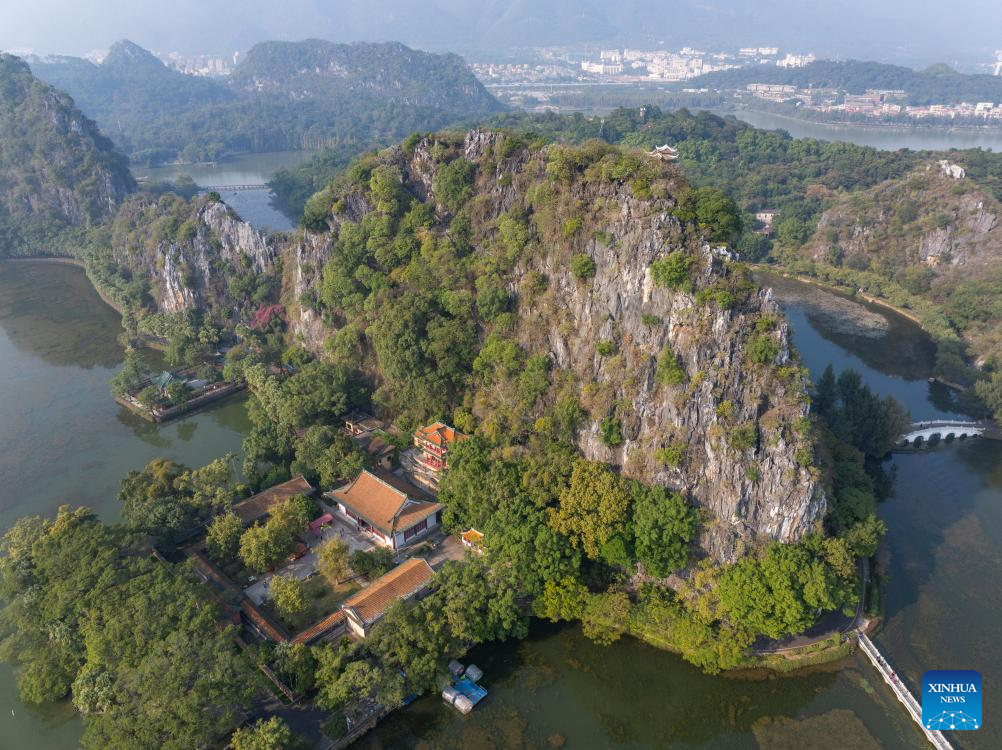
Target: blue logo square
(951, 699)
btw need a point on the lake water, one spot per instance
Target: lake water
(886, 138)
(250, 169)
(67, 442)
(65, 438)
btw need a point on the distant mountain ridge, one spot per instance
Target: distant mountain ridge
(884, 29)
(389, 70)
(283, 95)
(57, 172)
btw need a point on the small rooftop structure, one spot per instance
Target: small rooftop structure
(164, 379)
(368, 606)
(325, 520)
(665, 153)
(472, 539)
(464, 693)
(360, 422)
(259, 505)
(391, 508)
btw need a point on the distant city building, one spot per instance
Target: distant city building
(602, 69)
(795, 61)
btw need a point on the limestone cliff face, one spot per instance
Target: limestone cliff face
(946, 224)
(191, 266)
(305, 259)
(751, 491)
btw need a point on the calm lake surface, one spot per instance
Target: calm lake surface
(67, 442)
(250, 169)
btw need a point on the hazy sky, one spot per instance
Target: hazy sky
(913, 31)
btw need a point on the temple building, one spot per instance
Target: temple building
(392, 511)
(434, 443)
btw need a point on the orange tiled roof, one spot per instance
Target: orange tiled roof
(259, 505)
(440, 434)
(319, 628)
(472, 536)
(385, 501)
(402, 582)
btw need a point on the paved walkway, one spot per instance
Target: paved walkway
(903, 693)
(450, 548)
(260, 591)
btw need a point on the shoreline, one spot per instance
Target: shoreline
(904, 313)
(67, 261)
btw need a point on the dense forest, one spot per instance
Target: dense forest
(938, 84)
(303, 95)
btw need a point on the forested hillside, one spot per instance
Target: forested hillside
(642, 456)
(131, 94)
(283, 95)
(57, 172)
(315, 68)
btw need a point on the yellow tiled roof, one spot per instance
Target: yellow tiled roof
(403, 581)
(382, 500)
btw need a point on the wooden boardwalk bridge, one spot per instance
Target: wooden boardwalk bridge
(903, 694)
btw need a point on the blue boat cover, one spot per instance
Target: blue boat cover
(470, 689)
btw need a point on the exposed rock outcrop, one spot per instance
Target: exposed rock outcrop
(192, 253)
(939, 220)
(752, 491)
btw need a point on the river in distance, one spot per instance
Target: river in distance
(887, 138)
(254, 206)
(67, 442)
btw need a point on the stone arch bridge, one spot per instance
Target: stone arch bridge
(921, 433)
